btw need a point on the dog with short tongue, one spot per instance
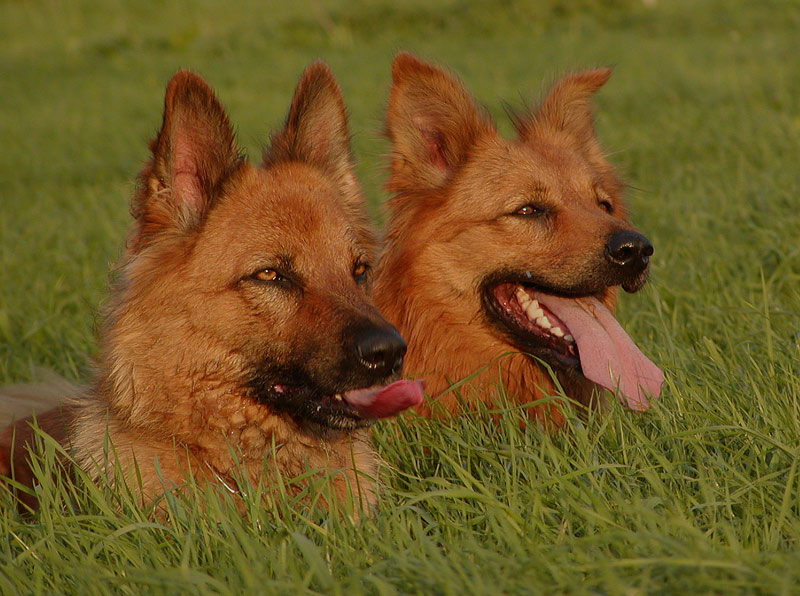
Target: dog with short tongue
(239, 339)
(503, 258)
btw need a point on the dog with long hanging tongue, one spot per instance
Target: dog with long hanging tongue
(608, 356)
(508, 253)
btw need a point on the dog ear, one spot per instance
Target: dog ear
(316, 131)
(432, 123)
(566, 110)
(193, 153)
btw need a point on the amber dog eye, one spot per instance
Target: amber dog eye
(266, 275)
(360, 271)
(530, 211)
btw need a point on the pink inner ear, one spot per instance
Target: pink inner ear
(435, 140)
(186, 187)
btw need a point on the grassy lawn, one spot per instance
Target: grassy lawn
(701, 495)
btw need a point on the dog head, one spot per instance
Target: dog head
(244, 291)
(526, 238)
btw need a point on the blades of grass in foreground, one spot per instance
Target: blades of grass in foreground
(697, 496)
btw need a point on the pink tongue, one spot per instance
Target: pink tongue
(608, 356)
(382, 402)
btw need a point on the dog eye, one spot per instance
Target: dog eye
(530, 211)
(266, 276)
(360, 272)
(606, 206)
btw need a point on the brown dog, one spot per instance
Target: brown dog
(508, 253)
(239, 322)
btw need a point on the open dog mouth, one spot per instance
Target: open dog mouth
(577, 334)
(347, 410)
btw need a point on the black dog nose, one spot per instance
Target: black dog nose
(381, 350)
(629, 250)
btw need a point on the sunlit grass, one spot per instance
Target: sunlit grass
(702, 114)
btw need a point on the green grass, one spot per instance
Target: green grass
(699, 496)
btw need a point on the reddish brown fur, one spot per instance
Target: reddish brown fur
(16, 437)
(454, 182)
(182, 332)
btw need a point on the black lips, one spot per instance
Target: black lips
(372, 355)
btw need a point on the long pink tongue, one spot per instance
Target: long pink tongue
(382, 402)
(608, 356)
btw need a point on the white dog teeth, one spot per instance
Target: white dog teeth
(534, 312)
(337, 397)
(536, 315)
(523, 298)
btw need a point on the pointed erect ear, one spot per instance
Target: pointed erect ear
(566, 109)
(192, 154)
(432, 123)
(315, 131)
